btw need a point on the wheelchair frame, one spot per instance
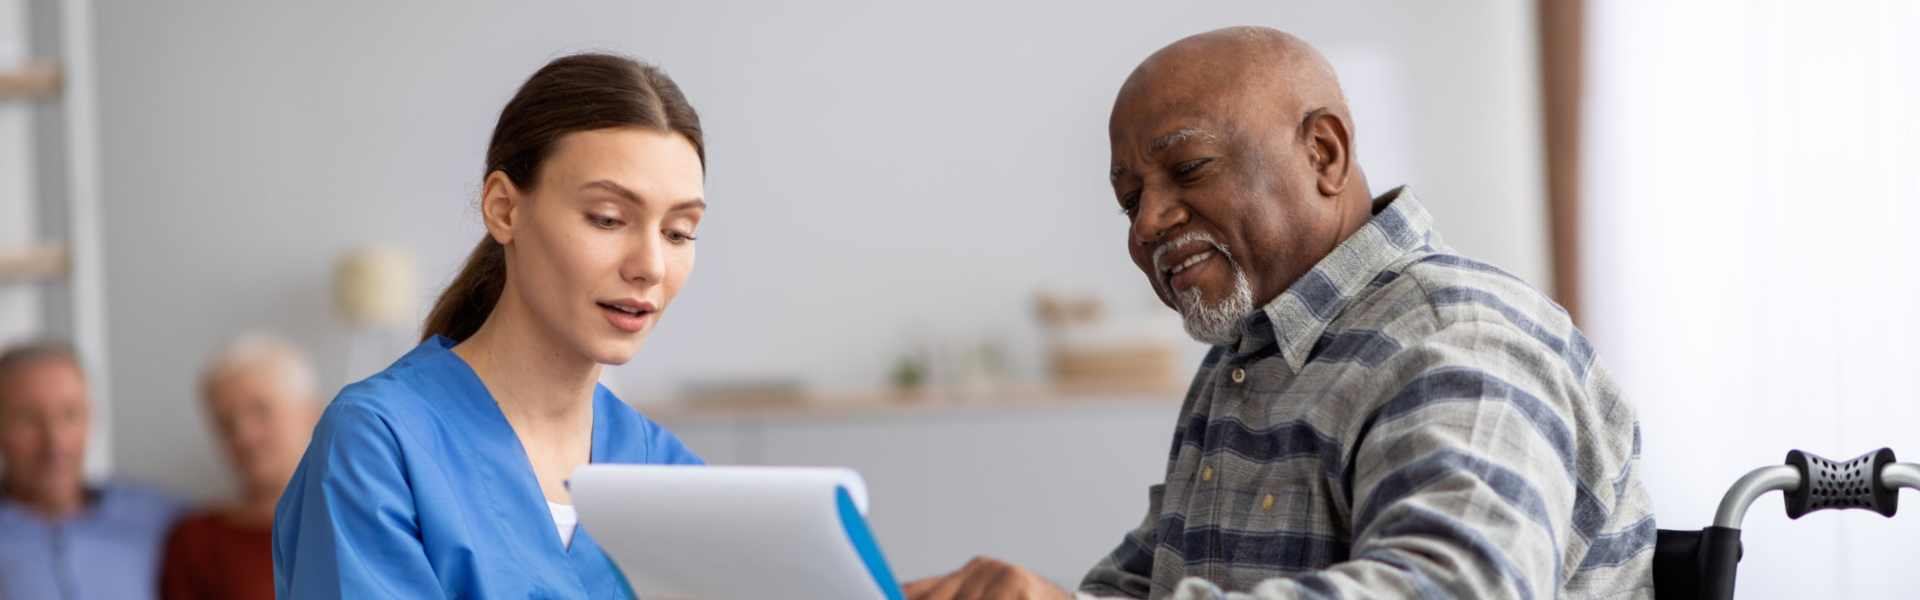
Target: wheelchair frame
(1701, 565)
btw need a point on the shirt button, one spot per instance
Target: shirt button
(1239, 375)
(1267, 504)
(1206, 474)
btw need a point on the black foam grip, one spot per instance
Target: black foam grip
(1855, 483)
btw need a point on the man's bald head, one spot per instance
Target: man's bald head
(1233, 144)
(1254, 64)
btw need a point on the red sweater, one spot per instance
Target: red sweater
(210, 558)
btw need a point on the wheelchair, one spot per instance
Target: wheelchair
(1699, 565)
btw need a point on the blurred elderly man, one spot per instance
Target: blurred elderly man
(1379, 417)
(60, 538)
(263, 401)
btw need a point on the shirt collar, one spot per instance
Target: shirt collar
(96, 502)
(1295, 319)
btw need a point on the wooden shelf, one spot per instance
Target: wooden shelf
(44, 261)
(30, 82)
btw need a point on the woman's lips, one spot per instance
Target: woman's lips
(630, 322)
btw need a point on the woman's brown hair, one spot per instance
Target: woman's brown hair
(575, 93)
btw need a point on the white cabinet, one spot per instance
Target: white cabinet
(1050, 484)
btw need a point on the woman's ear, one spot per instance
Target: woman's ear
(500, 203)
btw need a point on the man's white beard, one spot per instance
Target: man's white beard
(1218, 323)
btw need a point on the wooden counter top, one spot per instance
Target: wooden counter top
(894, 402)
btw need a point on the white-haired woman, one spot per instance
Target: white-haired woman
(262, 400)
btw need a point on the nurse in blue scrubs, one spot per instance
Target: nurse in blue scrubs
(444, 476)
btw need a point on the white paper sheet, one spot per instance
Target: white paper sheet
(731, 533)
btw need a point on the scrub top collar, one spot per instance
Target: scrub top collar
(484, 411)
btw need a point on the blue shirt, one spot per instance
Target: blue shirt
(415, 486)
(111, 549)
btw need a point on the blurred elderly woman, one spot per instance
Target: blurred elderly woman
(261, 396)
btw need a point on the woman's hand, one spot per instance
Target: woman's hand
(986, 579)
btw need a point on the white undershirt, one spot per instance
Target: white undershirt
(564, 518)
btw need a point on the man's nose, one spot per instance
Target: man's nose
(1158, 214)
(55, 441)
(70, 436)
(251, 434)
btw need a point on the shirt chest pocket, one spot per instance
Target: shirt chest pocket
(1278, 522)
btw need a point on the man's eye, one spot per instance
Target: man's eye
(1187, 168)
(603, 222)
(1129, 204)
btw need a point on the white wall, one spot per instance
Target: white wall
(877, 168)
(1752, 194)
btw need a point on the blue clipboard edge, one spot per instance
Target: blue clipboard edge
(869, 550)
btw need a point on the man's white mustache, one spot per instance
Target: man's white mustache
(1160, 252)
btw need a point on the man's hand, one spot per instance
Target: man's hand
(986, 579)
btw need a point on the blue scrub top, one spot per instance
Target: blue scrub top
(415, 486)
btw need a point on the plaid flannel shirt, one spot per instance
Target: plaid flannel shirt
(1400, 423)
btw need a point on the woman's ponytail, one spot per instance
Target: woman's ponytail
(470, 298)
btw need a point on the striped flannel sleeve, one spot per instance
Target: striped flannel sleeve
(1464, 479)
(1127, 572)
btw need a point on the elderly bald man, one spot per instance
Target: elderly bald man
(1380, 417)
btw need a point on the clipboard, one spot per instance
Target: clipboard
(680, 532)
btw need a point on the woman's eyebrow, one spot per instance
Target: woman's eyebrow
(615, 188)
(623, 192)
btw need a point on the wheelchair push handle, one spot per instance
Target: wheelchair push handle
(1870, 481)
(1701, 565)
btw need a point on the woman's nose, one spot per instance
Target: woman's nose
(646, 260)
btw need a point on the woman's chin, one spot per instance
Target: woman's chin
(615, 351)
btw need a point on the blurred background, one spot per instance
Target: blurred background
(912, 255)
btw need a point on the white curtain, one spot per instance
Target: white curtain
(1752, 228)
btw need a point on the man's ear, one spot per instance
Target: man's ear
(1330, 145)
(500, 203)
